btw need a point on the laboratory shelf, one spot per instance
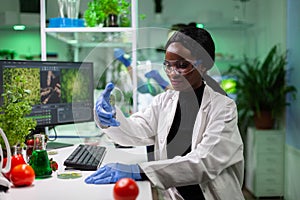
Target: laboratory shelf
(93, 37)
(89, 29)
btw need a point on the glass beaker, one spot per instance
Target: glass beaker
(61, 6)
(39, 159)
(73, 8)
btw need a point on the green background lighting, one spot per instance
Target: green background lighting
(19, 27)
(200, 25)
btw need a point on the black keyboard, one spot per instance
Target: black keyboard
(86, 157)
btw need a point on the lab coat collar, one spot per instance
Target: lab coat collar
(167, 113)
(201, 116)
(207, 97)
(200, 119)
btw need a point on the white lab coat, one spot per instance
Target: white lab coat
(216, 161)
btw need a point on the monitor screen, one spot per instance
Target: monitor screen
(61, 92)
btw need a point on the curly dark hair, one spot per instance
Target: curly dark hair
(198, 41)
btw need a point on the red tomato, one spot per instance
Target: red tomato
(53, 165)
(22, 175)
(15, 160)
(30, 142)
(126, 189)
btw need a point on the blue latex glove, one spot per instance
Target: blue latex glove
(146, 88)
(119, 55)
(103, 108)
(113, 172)
(157, 77)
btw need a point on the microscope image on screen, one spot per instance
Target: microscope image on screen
(32, 77)
(50, 87)
(74, 84)
(60, 92)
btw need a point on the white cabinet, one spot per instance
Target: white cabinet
(265, 162)
(74, 36)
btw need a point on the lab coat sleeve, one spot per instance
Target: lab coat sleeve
(221, 147)
(136, 130)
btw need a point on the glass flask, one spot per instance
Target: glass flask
(39, 160)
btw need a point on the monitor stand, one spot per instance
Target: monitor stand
(50, 144)
(57, 145)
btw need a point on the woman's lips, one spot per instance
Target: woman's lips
(176, 82)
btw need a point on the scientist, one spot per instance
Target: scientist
(198, 147)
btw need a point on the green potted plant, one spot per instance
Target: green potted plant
(116, 10)
(93, 15)
(262, 89)
(106, 12)
(16, 106)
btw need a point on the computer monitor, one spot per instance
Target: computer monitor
(62, 92)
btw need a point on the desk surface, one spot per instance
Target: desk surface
(55, 188)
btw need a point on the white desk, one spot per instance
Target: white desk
(61, 189)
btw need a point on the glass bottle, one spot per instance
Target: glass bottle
(112, 20)
(39, 159)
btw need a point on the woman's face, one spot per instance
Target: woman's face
(190, 78)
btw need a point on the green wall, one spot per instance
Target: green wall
(28, 43)
(292, 175)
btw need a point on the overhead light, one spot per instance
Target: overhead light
(200, 25)
(19, 27)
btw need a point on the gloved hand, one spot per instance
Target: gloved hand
(113, 172)
(104, 110)
(157, 77)
(119, 55)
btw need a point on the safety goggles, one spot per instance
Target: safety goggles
(180, 67)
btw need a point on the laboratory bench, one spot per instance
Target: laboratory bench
(56, 188)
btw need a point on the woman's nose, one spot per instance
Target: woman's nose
(173, 73)
(174, 70)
